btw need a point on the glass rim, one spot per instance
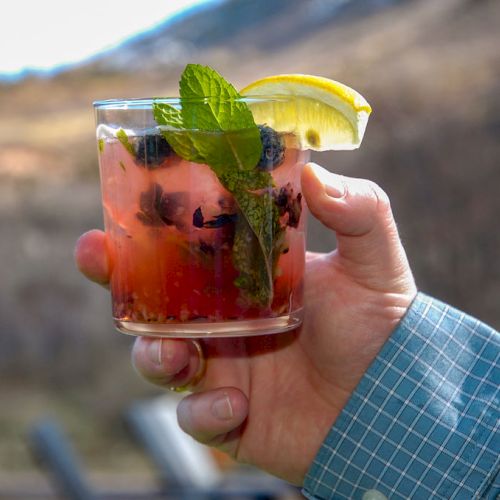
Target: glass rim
(147, 102)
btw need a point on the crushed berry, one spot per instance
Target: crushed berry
(218, 221)
(198, 218)
(295, 210)
(281, 201)
(159, 208)
(287, 203)
(273, 148)
(152, 150)
(221, 220)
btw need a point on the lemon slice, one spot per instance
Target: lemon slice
(323, 114)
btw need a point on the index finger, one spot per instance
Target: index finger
(92, 256)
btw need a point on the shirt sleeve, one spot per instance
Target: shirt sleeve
(424, 420)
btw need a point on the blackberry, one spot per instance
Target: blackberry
(273, 148)
(152, 150)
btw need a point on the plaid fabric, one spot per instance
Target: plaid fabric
(424, 420)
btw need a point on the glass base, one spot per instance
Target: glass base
(237, 328)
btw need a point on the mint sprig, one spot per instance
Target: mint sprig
(227, 131)
(214, 126)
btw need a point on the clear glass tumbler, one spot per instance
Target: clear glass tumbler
(195, 252)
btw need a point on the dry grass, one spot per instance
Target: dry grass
(431, 71)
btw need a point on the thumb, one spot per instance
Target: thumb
(359, 212)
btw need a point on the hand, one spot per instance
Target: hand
(271, 400)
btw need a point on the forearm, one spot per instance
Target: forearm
(423, 422)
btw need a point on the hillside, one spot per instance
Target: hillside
(238, 25)
(431, 71)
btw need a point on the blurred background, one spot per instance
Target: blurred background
(430, 69)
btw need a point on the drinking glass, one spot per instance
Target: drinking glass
(194, 254)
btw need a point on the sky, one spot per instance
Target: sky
(42, 34)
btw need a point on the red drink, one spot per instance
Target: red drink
(184, 262)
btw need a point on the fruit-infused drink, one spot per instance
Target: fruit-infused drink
(208, 243)
(202, 200)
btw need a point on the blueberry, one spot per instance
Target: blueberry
(273, 148)
(152, 150)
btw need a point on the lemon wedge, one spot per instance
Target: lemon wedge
(323, 114)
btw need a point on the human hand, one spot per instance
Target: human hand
(271, 400)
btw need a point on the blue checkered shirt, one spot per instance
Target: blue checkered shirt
(423, 422)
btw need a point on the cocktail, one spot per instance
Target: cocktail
(203, 210)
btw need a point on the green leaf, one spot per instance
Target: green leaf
(215, 127)
(122, 136)
(166, 114)
(221, 109)
(255, 242)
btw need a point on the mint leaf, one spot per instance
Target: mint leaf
(167, 114)
(257, 237)
(212, 127)
(216, 128)
(170, 119)
(221, 110)
(122, 136)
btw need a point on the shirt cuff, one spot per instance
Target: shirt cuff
(423, 421)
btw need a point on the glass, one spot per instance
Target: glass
(183, 260)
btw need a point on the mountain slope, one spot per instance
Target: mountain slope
(262, 25)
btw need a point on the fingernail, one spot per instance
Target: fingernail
(334, 186)
(154, 351)
(222, 409)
